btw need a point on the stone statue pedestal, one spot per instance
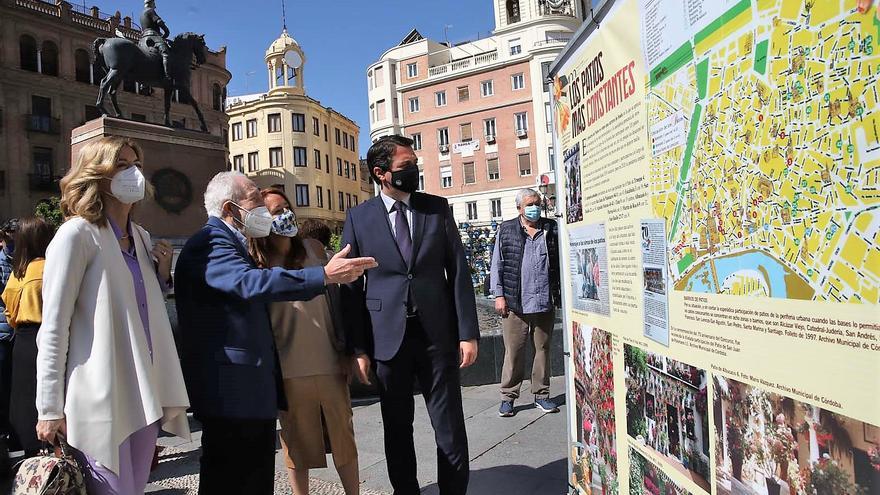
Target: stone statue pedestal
(178, 162)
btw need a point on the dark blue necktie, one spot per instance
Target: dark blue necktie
(401, 231)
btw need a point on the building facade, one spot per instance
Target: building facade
(49, 85)
(286, 139)
(478, 112)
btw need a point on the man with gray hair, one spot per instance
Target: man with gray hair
(526, 285)
(228, 353)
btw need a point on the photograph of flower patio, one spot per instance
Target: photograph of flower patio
(646, 478)
(667, 411)
(770, 444)
(594, 455)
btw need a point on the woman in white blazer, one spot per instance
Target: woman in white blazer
(108, 375)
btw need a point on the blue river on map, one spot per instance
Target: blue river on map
(728, 265)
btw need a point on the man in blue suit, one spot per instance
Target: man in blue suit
(227, 350)
(415, 315)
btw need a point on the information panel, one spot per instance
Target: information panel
(721, 183)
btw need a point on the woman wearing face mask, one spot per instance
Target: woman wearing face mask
(315, 366)
(108, 376)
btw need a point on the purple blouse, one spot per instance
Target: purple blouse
(140, 290)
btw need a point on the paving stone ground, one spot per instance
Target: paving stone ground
(523, 455)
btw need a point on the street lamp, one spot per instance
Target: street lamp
(548, 203)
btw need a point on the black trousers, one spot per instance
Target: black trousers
(238, 456)
(438, 377)
(23, 392)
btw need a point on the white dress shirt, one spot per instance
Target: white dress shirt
(392, 215)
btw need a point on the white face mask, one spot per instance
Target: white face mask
(129, 185)
(256, 223)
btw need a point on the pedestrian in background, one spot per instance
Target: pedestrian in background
(108, 376)
(415, 316)
(23, 301)
(319, 231)
(227, 349)
(7, 245)
(315, 363)
(526, 285)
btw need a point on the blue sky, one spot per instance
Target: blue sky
(340, 37)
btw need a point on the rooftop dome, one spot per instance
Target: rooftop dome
(281, 45)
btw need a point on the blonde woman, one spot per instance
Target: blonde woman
(108, 376)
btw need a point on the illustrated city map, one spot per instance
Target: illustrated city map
(773, 191)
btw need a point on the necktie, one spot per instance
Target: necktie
(401, 231)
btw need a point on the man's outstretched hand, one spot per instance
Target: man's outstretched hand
(342, 270)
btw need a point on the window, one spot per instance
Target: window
(341, 202)
(302, 195)
(345, 140)
(299, 156)
(513, 11)
(464, 94)
(43, 160)
(440, 98)
(347, 170)
(443, 136)
(552, 158)
(327, 163)
(492, 168)
(276, 158)
(548, 116)
(355, 199)
(414, 105)
(318, 159)
(339, 167)
(525, 165)
(325, 133)
(417, 141)
(496, 207)
(522, 122)
(446, 176)
(421, 181)
(316, 126)
(274, 122)
(394, 109)
(393, 73)
(487, 88)
(238, 163)
(380, 81)
(319, 196)
(329, 200)
(470, 175)
(253, 162)
(251, 128)
(412, 70)
(515, 47)
(489, 127)
(299, 122)
(217, 97)
(380, 110)
(370, 80)
(27, 53)
(338, 137)
(83, 69)
(518, 81)
(236, 131)
(354, 171)
(49, 58)
(348, 199)
(472, 210)
(545, 75)
(464, 131)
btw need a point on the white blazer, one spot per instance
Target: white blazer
(93, 362)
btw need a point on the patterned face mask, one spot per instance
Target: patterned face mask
(285, 224)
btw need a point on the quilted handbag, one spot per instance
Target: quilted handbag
(47, 474)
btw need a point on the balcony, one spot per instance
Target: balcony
(463, 64)
(44, 183)
(552, 42)
(42, 123)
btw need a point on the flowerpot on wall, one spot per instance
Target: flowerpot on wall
(772, 486)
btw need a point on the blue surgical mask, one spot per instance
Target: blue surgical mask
(532, 213)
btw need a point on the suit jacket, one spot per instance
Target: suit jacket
(229, 359)
(437, 277)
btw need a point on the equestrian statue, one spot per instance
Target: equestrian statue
(154, 61)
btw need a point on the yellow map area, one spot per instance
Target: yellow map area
(774, 192)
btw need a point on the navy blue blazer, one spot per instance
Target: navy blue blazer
(437, 276)
(228, 354)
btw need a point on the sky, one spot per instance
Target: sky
(340, 38)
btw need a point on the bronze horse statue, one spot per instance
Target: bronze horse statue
(126, 60)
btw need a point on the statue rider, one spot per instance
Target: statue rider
(155, 34)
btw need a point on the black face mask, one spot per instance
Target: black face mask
(406, 180)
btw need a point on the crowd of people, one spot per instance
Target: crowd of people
(273, 326)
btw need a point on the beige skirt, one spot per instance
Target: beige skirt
(317, 406)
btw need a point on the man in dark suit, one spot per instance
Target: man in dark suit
(415, 315)
(227, 350)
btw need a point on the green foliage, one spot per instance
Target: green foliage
(335, 241)
(636, 474)
(50, 211)
(636, 359)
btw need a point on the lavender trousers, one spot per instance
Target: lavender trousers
(135, 458)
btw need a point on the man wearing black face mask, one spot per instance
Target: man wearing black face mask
(414, 316)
